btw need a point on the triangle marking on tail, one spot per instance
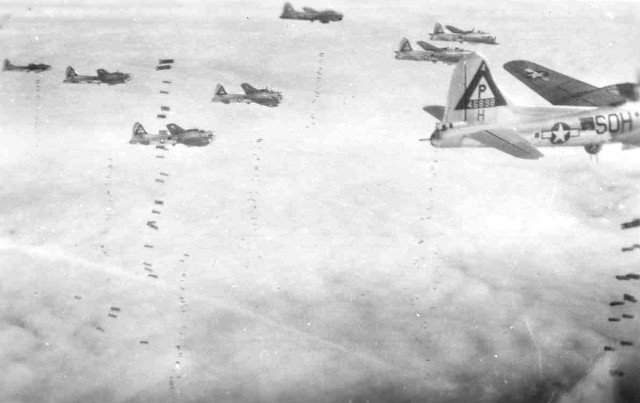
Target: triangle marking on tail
(481, 92)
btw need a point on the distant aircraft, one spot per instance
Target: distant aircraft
(37, 68)
(103, 77)
(264, 96)
(310, 14)
(477, 114)
(430, 53)
(177, 135)
(458, 35)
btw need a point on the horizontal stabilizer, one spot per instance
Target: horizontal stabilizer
(437, 111)
(508, 141)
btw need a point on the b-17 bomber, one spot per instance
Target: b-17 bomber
(36, 68)
(477, 114)
(459, 35)
(103, 77)
(309, 14)
(265, 96)
(176, 135)
(430, 53)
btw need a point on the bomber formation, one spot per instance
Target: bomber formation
(477, 114)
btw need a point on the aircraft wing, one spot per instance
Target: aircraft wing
(559, 89)
(428, 47)
(309, 10)
(455, 30)
(508, 141)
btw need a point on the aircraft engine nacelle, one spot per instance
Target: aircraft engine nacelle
(593, 148)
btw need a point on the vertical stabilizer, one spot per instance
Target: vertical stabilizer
(474, 96)
(287, 10)
(70, 72)
(437, 29)
(138, 130)
(405, 46)
(219, 91)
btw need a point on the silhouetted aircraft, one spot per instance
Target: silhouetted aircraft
(310, 14)
(458, 35)
(103, 77)
(177, 135)
(430, 53)
(36, 68)
(477, 114)
(264, 96)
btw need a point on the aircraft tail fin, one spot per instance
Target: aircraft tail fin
(138, 130)
(219, 91)
(405, 45)
(287, 9)
(437, 29)
(70, 72)
(175, 129)
(473, 95)
(7, 64)
(248, 88)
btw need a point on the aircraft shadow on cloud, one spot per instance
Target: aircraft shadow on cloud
(477, 114)
(176, 135)
(103, 77)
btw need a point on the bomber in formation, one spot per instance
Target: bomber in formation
(31, 67)
(103, 77)
(309, 14)
(459, 35)
(265, 96)
(176, 135)
(430, 53)
(478, 114)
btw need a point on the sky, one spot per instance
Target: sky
(316, 251)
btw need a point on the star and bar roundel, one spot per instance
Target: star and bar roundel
(560, 133)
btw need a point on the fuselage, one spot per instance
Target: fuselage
(471, 37)
(194, 138)
(449, 56)
(38, 68)
(554, 126)
(190, 138)
(82, 79)
(322, 16)
(263, 98)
